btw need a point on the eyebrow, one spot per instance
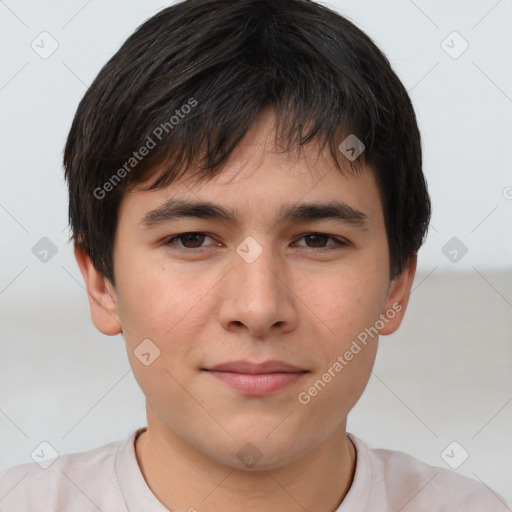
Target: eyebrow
(174, 209)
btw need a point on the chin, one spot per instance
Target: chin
(260, 453)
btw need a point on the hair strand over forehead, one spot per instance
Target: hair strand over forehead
(192, 80)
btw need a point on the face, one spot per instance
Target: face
(271, 285)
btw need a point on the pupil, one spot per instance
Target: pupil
(198, 239)
(317, 237)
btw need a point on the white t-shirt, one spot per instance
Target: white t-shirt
(109, 479)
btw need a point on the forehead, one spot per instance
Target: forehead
(260, 178)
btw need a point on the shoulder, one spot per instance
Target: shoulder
(409, 484)
(72, 481)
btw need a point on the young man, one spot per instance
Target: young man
(246, 202)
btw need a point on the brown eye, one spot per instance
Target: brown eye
(319, 241)
(192, 240)
(316, 240)
(188, 240)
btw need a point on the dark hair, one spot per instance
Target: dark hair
(190, 82)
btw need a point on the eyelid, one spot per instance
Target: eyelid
(339, 241)
(168, 240)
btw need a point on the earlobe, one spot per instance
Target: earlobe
(398, 298)
(101, 295)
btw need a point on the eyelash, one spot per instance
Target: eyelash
(338, 242)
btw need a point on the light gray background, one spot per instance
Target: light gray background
(445, 376)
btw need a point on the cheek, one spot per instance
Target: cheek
(155, 300)
(344, 306)
(168, 307)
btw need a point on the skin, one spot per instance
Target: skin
(294, 303)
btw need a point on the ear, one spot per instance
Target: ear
(102, 296)
(398, 298)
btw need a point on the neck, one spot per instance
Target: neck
(183, 478)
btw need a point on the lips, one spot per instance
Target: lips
(256, 368)
(257, 378)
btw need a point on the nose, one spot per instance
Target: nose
(256, 296)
